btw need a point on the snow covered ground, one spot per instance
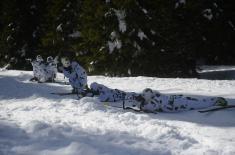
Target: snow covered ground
(217, 72)
(35, 122)
(206, 68)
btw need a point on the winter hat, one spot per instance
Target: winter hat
(39, 58)
(148, 94)
(49, 59)
(94, 86)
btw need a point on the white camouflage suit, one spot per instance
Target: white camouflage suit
(51, 69)
(106, 94)
(39, 70)
(44, 72)
(77, 76)
(153, 101)
(157, 102)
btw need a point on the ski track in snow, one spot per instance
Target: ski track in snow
(33, 121)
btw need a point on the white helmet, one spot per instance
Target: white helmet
(95, 86)
(49, 59)
(148, 94)
(39, 58)
(65, 62)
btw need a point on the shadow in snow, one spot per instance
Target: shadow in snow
(17, 88)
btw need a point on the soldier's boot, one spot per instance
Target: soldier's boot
(220, 101)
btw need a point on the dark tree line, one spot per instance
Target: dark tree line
(165, 38)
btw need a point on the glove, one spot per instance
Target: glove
(60, 69)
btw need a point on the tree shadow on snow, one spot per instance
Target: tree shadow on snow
(20, 87)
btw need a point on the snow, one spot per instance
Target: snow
(33, 121)
(34, 34)
(114, 44)
(113, 35)
(215, 5)
(231, 24)
(22, 51)
(141, 35)
(207, 13)
(217, 72)
(152, 32)
(59, 28)
(144, 10)
(76, 34)
(206, 68)
(180, 2)
(121, 14)
(9, 38)
(136, 45)
(4, 68)
(11, 24)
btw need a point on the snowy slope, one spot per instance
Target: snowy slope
(35, 122)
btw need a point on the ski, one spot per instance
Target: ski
(64, 94)
(217, 108)
(140, 111)
(109, 104)
(120, 105)
(61, 82)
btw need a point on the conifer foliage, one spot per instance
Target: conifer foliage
(120, 38)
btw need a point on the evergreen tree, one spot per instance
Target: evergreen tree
(113, 37)
(21, 30)
(92, 46)
(61, 26)
(217, 32)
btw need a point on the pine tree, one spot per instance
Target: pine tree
(21, 30)
(113, 37)
(92, 46)
(61, 26)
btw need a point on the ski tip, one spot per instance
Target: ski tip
(217, 108)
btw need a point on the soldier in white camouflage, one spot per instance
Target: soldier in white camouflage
(76, 74)
(51, 68)
(106, 94)
(39, 69)
(154, 101)
(44, 71)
